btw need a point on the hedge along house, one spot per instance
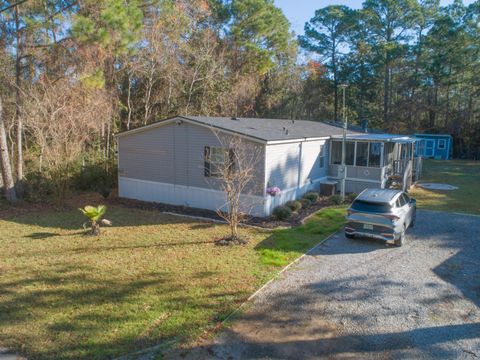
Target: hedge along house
(434, 146)
(171, 161)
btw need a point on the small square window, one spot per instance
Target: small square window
(442, 144)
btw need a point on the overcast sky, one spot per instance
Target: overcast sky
(300, 11)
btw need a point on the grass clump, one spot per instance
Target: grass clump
(287, 244)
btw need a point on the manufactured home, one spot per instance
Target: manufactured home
(170, 161)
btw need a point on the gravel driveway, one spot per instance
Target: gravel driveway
(353, 299)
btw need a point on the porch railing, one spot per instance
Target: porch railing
(399, 167)
(407, 171)
(417, 168)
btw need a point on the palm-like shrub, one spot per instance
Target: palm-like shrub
(95, 215)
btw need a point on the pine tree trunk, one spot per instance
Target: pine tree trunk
(8, 184)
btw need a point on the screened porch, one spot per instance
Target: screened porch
(374, 160)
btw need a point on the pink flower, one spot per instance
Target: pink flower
(273, 191)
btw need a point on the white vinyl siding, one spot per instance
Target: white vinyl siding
(293, 165)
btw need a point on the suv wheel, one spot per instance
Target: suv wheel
(349, 236)
(401, 239)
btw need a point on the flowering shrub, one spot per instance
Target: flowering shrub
(273, 191)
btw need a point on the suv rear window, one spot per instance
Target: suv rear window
(374, 207)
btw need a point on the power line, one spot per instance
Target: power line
(13, 5)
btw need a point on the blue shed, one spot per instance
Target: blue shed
(434, 146)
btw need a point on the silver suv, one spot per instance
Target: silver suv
(381, 214)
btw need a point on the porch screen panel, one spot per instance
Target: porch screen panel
(375, 154)
(350, 154)
(336, 156)
(337, 153)
(362, 153)
(389, 153)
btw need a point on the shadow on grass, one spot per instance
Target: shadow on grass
(46, 235)
(314, 344)
(72, 219)
(84, 316)
(94, 249)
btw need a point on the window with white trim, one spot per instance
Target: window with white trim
(442, 144)
(215, 159)
(321, 156)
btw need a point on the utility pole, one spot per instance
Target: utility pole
(343, 168)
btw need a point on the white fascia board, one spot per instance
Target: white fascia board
(146, 127)
(275, 142)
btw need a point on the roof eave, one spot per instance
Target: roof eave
(192, 121)
(219, 128)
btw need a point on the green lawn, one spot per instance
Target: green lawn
(461, 173)
(150, 279)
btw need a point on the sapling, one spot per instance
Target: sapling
(95, 215)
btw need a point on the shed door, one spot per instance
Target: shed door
(429, 146)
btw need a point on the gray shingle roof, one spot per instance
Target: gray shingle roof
(271, 129)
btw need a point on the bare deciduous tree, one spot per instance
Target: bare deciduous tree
(62, 117)
(233, 167)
